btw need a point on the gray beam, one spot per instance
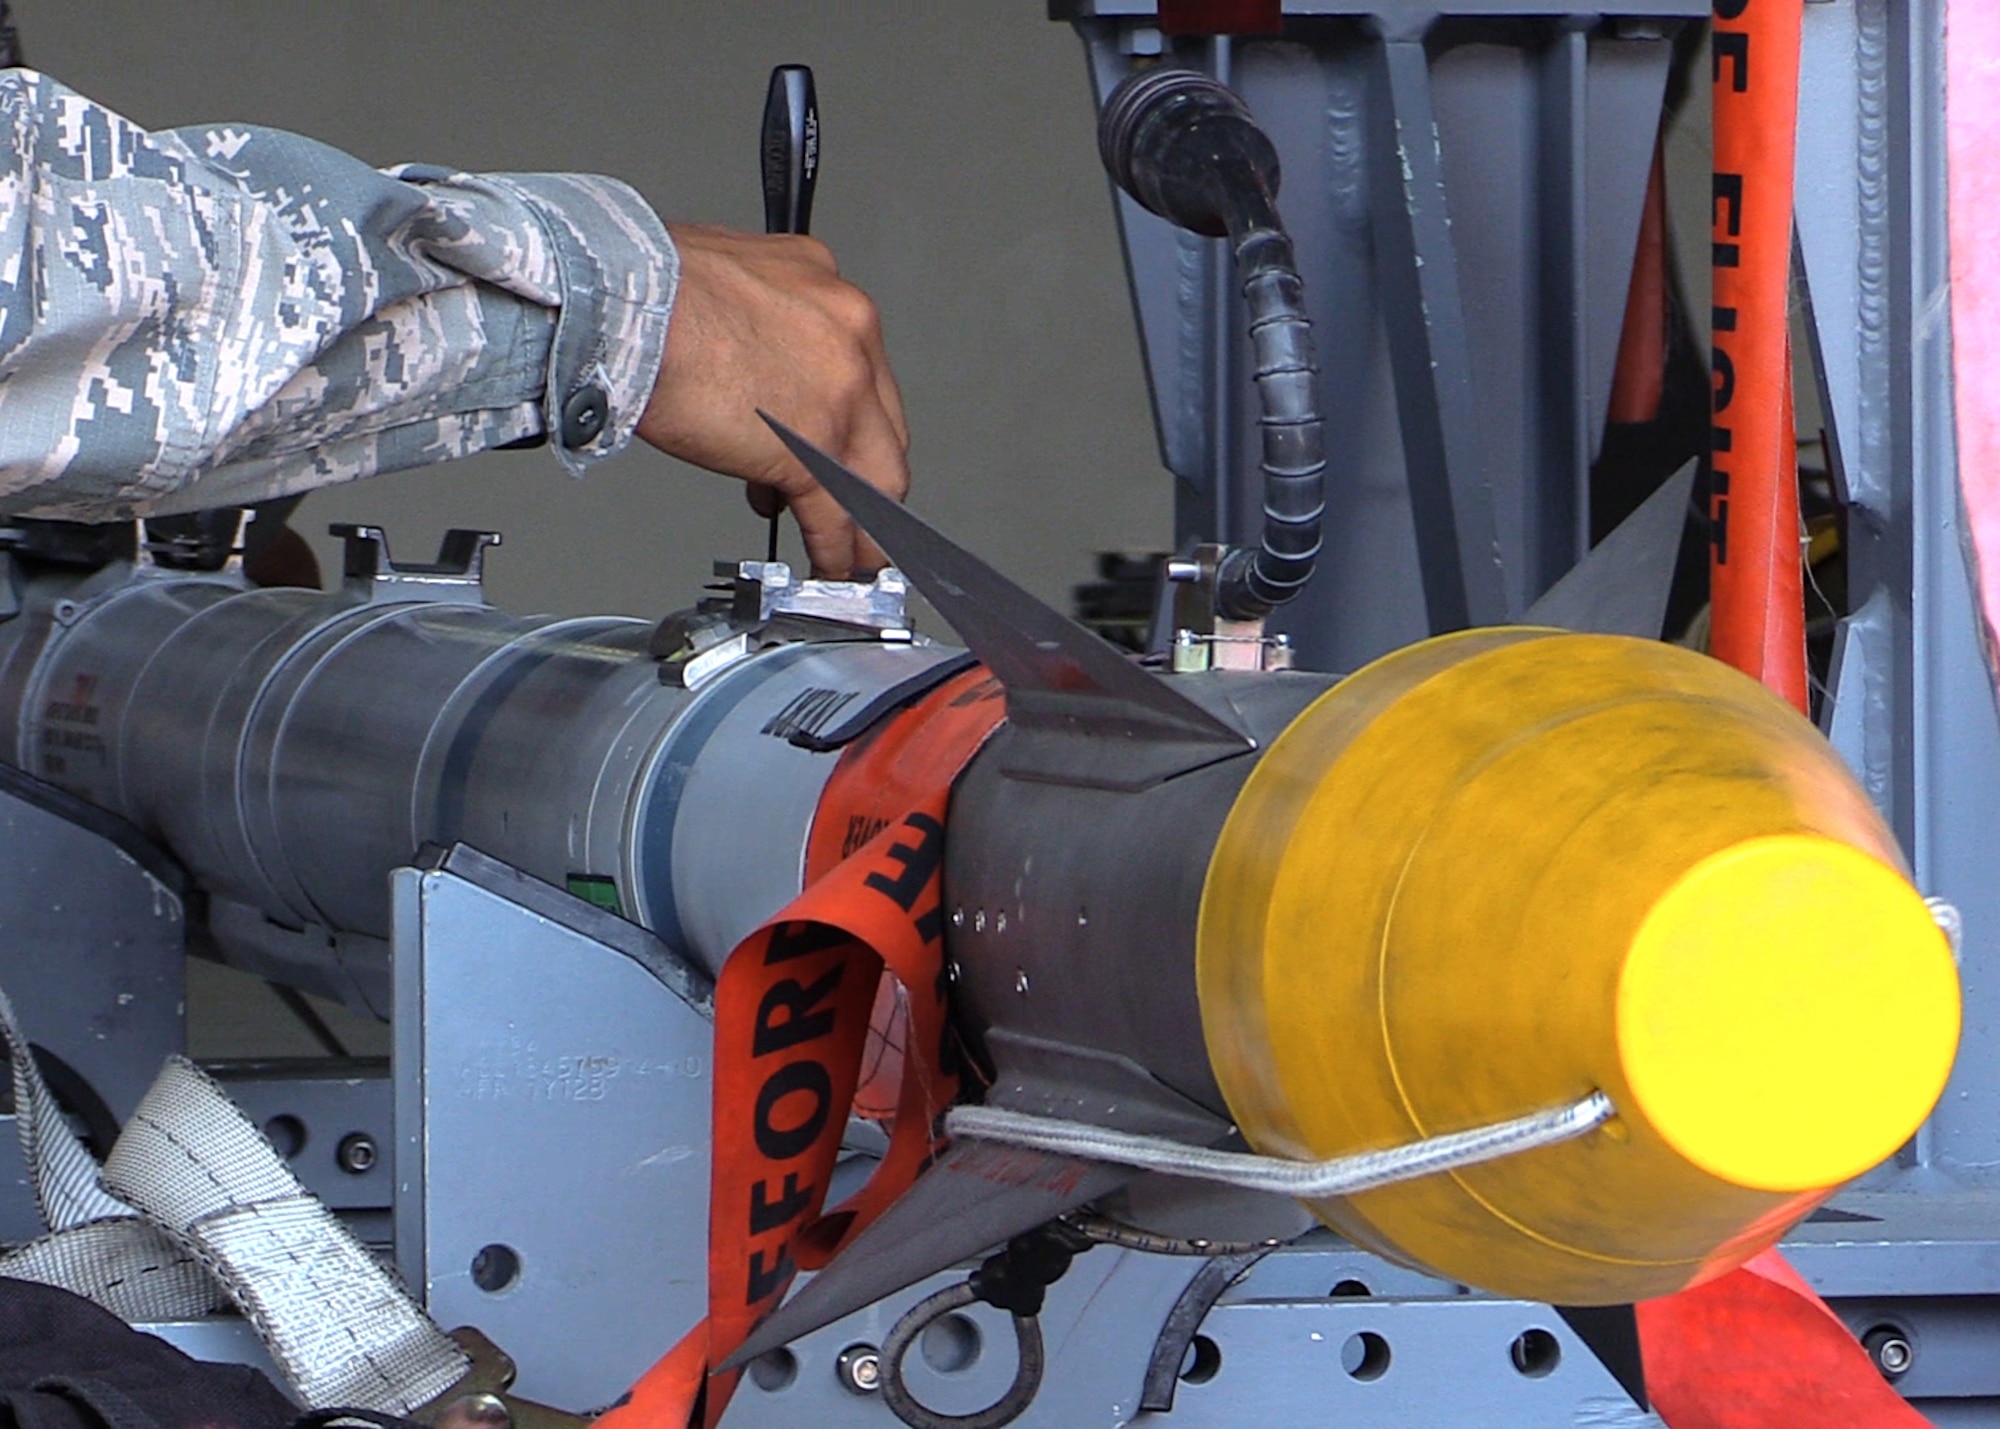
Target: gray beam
(1556, 529)
(1451, 498)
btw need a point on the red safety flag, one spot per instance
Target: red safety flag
(795, 1013)
(1757, 1349)
(1639, 376)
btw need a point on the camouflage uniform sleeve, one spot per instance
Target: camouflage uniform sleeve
(226, 314)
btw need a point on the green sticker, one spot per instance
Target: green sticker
(595, 888)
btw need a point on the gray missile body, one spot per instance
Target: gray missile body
(1114, 899)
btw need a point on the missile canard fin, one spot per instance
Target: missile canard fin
(1082, 713)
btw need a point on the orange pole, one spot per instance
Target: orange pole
(1756, 576)
(1757, 1349)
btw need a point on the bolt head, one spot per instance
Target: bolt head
(860, 1369)
(1891, 1350)
(356, 1154)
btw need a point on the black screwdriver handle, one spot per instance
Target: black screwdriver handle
(789, 153)
(790, 150)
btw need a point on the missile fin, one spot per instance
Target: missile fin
(976, 1196)
(980, 1194)
(1044, 1077)
(1612, 1333)
(1621, 586)
(1069, 693)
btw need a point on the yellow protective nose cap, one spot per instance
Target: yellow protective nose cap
(1788, 1013)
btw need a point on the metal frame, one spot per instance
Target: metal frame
(1464, 189)
(1423, 258)
(522, 1108)
(95, 923)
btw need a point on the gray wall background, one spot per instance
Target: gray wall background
(961, 188)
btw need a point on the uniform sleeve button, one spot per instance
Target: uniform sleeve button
(583, 416)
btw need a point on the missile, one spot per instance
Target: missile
(1489, 874)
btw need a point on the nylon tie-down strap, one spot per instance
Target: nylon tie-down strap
(793, 1011)
(97, 1246)
(339, 1329)
(193, 1211)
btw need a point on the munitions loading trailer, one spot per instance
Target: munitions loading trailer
(1468, 295)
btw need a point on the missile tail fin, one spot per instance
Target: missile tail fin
(1612, 1333)
(977, 1196)
(1621, 586)
(1069, 693)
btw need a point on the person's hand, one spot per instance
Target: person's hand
(768, 322)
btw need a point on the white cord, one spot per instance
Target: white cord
(1306, 1180)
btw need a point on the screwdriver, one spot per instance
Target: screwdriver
(790, 155)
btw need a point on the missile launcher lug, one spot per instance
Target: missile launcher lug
(1205, 638)
(456, 577)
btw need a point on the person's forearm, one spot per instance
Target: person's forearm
(227, 314)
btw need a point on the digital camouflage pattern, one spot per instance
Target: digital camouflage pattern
(222, 315)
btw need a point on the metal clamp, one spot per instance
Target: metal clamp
(481, 1399)
(755, 605)
(762, 590)
(1206, 640)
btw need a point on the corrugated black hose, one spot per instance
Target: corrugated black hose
(1185, 147)
(1252, 583)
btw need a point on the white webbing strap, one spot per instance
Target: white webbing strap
(337, 1326)
(97, 1247)
(62, 1169)
(194, 1203)
(127, 1265)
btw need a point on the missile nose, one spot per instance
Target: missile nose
(1787, 1013)
(1498, 870)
